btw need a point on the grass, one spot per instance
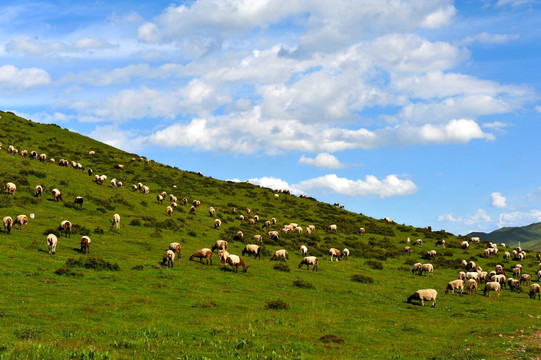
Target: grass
(118, 302)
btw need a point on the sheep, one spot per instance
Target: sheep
(65, 228)
(516, 271)
(79, 201)
(514, 284)
(388, 220)
(418, 242)
(471, 265)
(441, 242)
(57, 195)
(85, 245)
(431, 254)
(252, 249)
(429, 268)
(169, 258)
(407, 250)
(499, 269)
(116, 221)
(424, 294)
(21, 220)
(455, 284)
(172, 198)
(33, 154)
(42, 157)
(235, 261)
(177, 248)
(11, 188)
(258, 238)
(220, 244)
(239, 236)
(472, 284)
(223, 255)
(345, 253)
(217, 223)
(535, 289)
(332, 227)
(233, 211)
(211, 211)
(52, 241)
(8, 224)
(464, 263)
(251, 221)
(159, 199)
(362, 231)
(491, 286)
(464, 245)
(267, 224)
(501, 279)
(309, 260)
(335, 252)
(282, 253)
(145, 189)
(475, 239)
(525, 278)
(192, 209)
(91, 152)
(308, 230)
(164, 194)
(273, 235)
(11, 149)
(169, 210)
(312, 228)
(119, 166)
(273, 221)
(174, 205)
(196, 203)
(539, 275)
(304, 250)
(472, 275)
(538, 256)
(39, 191)
(461, 275)
(248, 211)
(417, 268)
(203, 253)
(24, 153)
(483, 276)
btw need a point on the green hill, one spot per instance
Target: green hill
(529, 236)
(119, 302)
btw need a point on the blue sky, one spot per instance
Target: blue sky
(425, 111)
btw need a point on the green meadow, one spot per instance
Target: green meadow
(119, 302)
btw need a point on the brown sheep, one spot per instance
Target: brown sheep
(202, 253)
(85, 245)
(235, 261)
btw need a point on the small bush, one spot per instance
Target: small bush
(135, 222)
(68, 272)
(51, 231)
(376, 265)
(138, 267)
(281, 267)
(276, 305)
(303, 284)
(362, 279)
(98, 230)
(330, 338)
(92, 262)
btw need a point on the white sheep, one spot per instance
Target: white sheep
(472, 284)
(177, 248)
(22, 221)
(65, 227)
(11, 188)
(217, 223)
(309, 260)
(52, 241)
(491, 286)
(57, 194)
(145, 189)
(455, 284)
(211, 211)
(429, 268)
(258, 238)
(332, 227)
(220, 244)
(169, 210)
(223, 255)
(39, 190)
(8, 224)
(333, 252)
(304, 250)
(252, 249)
(273, 235)
(282, 253)
(424, 294)
(116, 221)
(535, 289)
(169, 258)
(85, 245)
(417, 268)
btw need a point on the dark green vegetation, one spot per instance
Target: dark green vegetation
(529, 236)
(119, 302)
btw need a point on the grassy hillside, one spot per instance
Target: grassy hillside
(528, 236)
(118, 302)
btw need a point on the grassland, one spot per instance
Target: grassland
(51, 310)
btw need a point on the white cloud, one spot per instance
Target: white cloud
(323, 161)
(514, 3)
(127, 140)
(498, 200)
(480, 218)
(538, 108)
(439, 18)
(486, 38)
(390, 186)
(12, 78)
(27, 46)
(518, 218)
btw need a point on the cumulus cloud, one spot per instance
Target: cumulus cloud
(127, 140)
(323, 161)
(13, 78)
(389, 186)
(518, 218)
(498, 200)
(480, 218)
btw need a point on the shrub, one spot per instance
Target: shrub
(138, 267)
(98, 230)
(376, 265)
(92, 262)
(330, 338)
(68, 272)
(362, 279)
(276, 305)
(303, 284)
(51, 231)
(281, 267)
(135, 222)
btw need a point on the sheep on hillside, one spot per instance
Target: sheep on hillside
(169, 258)
(203, 253)
(57, 195)
(11, 188)
(535, 289)
(39, 191)
(424, 294)
(309, 260)
(491, 286)
(21, 220)
(177, 248)
(304, 250)
(252, 249)
(65, 228)
(85, 245)
(333, 252)
(280, 254)
(52, 241)
(235, 261)
(8, 224)
(455, 284)
(472, 284)
(217, 223)
(116, 221)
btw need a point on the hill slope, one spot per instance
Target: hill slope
(120, 302)
(529, 236)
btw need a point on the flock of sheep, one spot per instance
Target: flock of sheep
(469, 279)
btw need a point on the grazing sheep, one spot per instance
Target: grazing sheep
(21, 220)
(309, 260)
(407, 250)
(220, 244)
(472, 275)
(85, 245)
(525, 278)
(472, 284)
(345, 253)
(192, 209)
(471, 265)
(91, 152)
(176, 247)
(362, 231)
(332, 227)
(24, 153)
(241, 217)
(174, 205)
(535, 289)
(169, 258)
(239, 236)
(52, 241)
(145, 189)
(235, 261)
(441, 242)
(119, 166)
(212, 211)
(455, 284)
(417, 268)
(418, 242)
(251, 221)
(273, 235)
(273, 221)
(464, 263)
(252, 249)
(539, 275)
(267, 224)
(217, 223)
(282, 253)
(499, 269)
(513, 284)
(42, 157)
(427, 268)
(461, 275)
(164, 194)
(431, 254)
(424, 294)
(483, 276)
(475, 239)
(173, 198)
(159, 199)
(65, 228)
(516, 271)
(169, 210)
(8, 224)
(39, 191)
(116, 221)
(233, 211)
(223, 255)
(196, 203)
(248, 211)
(304, 250)
(465, 245)
(79, 201)
(203, 253)
(11, 188)
(258, 238)
(491, 286)
(57, 195)
(335, 252)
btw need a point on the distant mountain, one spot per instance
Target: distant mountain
(528, 236)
